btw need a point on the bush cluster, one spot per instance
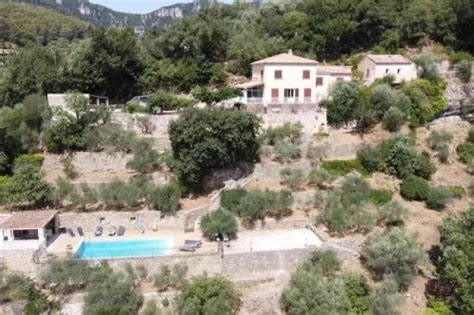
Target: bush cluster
(439, 141)
(466, 150)
(342, 167)
(292, 178)
(174, 277)
(255, 205)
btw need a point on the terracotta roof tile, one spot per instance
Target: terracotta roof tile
(286, 58)
(25, 220)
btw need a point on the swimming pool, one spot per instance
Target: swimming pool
(125, 248)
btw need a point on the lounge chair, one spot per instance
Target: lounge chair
(187, 248)
(80, 231)
(112, 231)
(194, 243)
(121, 231)
(71, 233)
(98, 231)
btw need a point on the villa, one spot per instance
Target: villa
(376, 67)
(287, 81)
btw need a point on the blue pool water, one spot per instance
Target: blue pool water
(128, 248)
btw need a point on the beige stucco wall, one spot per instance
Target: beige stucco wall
(401, 72)
(329, 80)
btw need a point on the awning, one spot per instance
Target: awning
(249, 85)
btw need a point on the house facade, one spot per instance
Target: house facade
(376, 67)
(327, 76)
(28, 230)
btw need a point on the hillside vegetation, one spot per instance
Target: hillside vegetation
(21, 23)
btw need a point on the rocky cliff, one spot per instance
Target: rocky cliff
(102, 16)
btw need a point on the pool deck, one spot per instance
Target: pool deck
(248, 241)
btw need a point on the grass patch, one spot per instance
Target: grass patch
(380, 196)
(343, 167)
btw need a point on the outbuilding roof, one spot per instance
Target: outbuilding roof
(387, 59)
(286, 58)
(248, 85)
(341, 70)
(28, 220)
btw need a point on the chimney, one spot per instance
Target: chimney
(290, 52)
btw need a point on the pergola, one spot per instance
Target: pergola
(28, 229)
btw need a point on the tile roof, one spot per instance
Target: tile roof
(26, 220)
(396, 59)
(286, 58)
(343, 70)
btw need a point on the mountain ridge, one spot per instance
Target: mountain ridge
(100, 15)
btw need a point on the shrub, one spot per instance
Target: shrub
(415, 188)
(394, 119)
(355, 190)
(427, 66)
(342, 167)
(145, 124)
(205, 140)
(358, 291)
(457, 56)
(146, 161)
(466, 150)
(171, 278)
(208, 295)
(292, 178)
(386, 298)
(165, 198)
(371, 158)
(230, 198)
(343, 103)
(437, 139)
(437, 307)
(458, 191)
(394, 253)
(380, 196)
(150, 309)
(277, 205)
(285, 152)
(287, 132)
(35, 160)
(119, 194)
(317, 153)
(464, 71)
(220, 221)
(66, 276)
(68, 167)
(391, 213)
(108, 292)
(251, 208)
(438, 197)
(319, 177)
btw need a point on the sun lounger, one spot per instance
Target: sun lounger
(98, 231)
(71, 233)
(112, 231)
(187, 248)
(80, 231)
(195, 243)
(121, 231)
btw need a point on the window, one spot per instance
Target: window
(398, 71)
(278, 74)
(307, 92)
(386, 71)
(274, 93)
(306, 74)
(291, 93)
(368, 73)
(261, 75)
(319, 81)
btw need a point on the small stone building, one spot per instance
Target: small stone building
(378, 66)
(28, 230)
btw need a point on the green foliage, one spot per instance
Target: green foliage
(167, 101)
(317, 153)
(358, 291)
(145, 161)
(465, 150)
(415, 188)
(287, 132)
(437, 307)
(203, 140)
(320, 177)
(171, 278)
(456, 262)
(203, 94)
(118, 194)
(35, 160)
(208, 295)
(439, 141)
(464, 70)
(342, 167)
(230, 198)
(66, 276)
(151, 309)
(343, 103)
(438, 197)
(380, 196)
(394, 119)
(292, 178)
(458, 191)
(458, 56)
(26, 23)
(165, 198)
(68, 167)
(108, 292)
(427, 66)
(391, 213)
(285, 152)
(393, 252)
(386, 298)
(220, 221)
